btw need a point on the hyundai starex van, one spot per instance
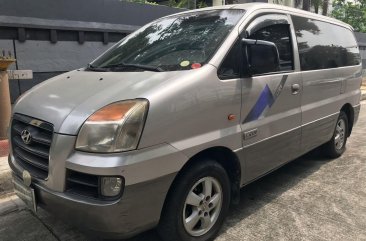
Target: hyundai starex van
(164, 128)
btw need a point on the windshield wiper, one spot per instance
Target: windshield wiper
(92, 68)
(137, 66)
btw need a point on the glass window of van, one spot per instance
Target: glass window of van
(279, 34)
(269, 27)
(179, 42)
(324, 45)
(273, 28)
(230, 67)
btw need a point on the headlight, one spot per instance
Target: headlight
(114, 128)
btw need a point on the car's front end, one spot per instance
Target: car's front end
(71, 185)
(87, 180)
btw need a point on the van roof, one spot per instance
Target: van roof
(250, 7)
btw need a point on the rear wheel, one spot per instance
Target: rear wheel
(197, 204)
(337, 145)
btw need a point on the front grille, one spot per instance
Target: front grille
(32, 154)
(82, 184)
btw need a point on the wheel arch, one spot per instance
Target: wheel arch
(348, 109)
(225, 157)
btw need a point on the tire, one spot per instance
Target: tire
(337, 145)
(208, 212)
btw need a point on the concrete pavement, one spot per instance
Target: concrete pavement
(5, 183)
(312, 198)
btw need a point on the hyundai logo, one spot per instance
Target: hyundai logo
(26, 136)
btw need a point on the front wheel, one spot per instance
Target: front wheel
(337, 145)
(197, 204)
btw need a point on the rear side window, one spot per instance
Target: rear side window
(324, 45)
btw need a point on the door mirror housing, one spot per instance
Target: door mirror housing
(260, 57)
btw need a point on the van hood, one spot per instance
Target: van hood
(69, 99)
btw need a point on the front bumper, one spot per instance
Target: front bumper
(138, 209)
(148, 174)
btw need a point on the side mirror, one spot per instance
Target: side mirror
(260, 56)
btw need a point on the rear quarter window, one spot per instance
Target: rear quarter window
(324, 45)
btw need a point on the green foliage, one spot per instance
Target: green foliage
(141, 1)
(353, 13)
(172, 3)
(316, 4)
(182, 4)
(151, 3)
(176, 3)
(202, 4)
(280, 2)
(187, 4)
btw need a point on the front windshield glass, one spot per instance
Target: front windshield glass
(179, 42)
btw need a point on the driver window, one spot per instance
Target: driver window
(277, 32)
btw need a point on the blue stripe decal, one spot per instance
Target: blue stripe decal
(266, 100)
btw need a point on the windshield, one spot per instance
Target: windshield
(179, 42)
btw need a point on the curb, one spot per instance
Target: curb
(6, 186)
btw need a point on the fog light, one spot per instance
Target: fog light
(111, 186)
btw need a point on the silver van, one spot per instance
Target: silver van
(164, 128)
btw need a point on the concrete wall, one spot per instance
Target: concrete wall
(361, 39)
(47, 60)
(99, 11)
(63, 56)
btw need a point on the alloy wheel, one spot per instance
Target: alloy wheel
(202, 206)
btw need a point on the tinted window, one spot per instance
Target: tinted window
(230, 67)
(174, 43)
(323, 45)
(279, 34)
(263, 59)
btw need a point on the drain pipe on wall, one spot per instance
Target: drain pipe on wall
(5, 106)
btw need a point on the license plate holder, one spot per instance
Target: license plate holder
(26, 194)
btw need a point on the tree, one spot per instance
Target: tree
(297, 3)
(306, 5)
(316, 4)
(325, 7)
(353, 13)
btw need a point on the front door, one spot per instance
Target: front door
(271, 111)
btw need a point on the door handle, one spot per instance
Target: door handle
(295, 88)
